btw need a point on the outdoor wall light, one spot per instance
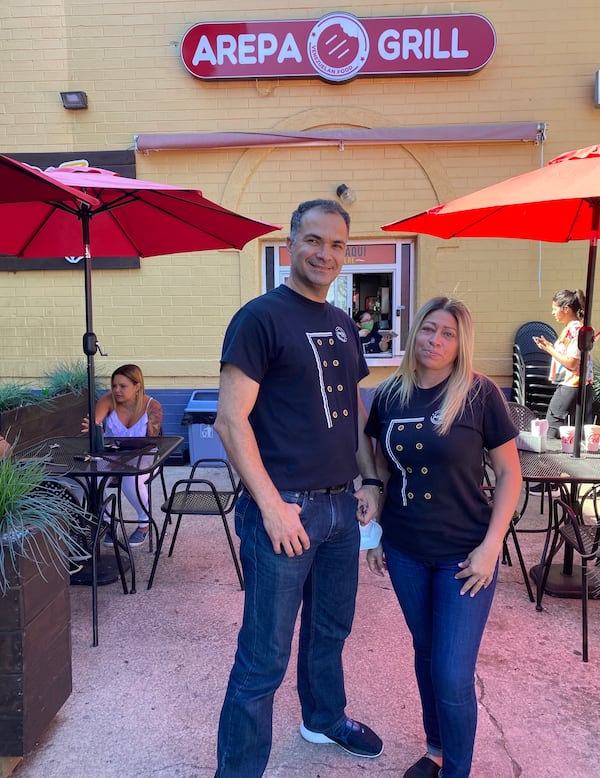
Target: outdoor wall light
(346, 195)
(74, 100)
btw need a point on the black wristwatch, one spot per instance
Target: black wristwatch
(373, 482)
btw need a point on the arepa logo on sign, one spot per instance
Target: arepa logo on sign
(338, 47)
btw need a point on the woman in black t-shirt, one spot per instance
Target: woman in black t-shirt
(432, 420)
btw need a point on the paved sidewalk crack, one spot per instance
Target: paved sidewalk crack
(517, 770)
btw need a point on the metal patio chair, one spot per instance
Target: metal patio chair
(199, 496)
(569, 527)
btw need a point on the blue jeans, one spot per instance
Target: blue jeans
(324, 579)
(447, 629)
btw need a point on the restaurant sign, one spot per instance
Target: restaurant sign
(338, 47)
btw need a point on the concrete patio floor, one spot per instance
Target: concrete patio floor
(146, 701)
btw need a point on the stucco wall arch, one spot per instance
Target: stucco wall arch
(250, 161)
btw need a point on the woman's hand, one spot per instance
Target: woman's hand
(376, 560)
(384, 343)
(478, 568)
(85, 424)
(543, 344)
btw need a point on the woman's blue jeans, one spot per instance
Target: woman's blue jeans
(447, 628)
(324, 579)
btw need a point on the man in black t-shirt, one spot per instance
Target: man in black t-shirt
(291, 420)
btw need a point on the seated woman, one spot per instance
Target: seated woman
(372, 341)
(127, 411)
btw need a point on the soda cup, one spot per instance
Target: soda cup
(539, 428)
(567, 436)
(591, 434)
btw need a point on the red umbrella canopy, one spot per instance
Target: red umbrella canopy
(119, 217)
(558, 203)
(554, 203)
(22, 183)
(131, 218)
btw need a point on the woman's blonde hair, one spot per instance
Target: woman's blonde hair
(135, 375)
(455, 393)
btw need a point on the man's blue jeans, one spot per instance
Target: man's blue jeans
(447, 628)
(324, 579)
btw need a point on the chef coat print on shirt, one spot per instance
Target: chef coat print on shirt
(406, 446)
(328, 358)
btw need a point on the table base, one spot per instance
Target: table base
(107, 572)
(560, 584)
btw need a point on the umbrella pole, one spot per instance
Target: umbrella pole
(586, 334)
(90, 343)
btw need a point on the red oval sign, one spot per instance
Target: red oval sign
(339, 47)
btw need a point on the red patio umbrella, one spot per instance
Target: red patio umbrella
(24, 184)
(123, 217)
(559, 202)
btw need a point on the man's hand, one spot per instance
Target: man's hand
(368, 503)
(285, 530)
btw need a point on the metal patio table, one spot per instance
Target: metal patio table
(69, 457)
(569, 472)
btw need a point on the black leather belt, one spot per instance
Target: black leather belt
(331, 489)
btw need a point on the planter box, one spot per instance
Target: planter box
(31, 424)
(35, 655)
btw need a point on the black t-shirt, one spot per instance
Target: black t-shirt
(306, 357)
(435, 507)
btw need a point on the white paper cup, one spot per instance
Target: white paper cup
(539, 428)
(567, 434)
(591, 434)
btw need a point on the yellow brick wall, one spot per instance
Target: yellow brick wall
(170, 315)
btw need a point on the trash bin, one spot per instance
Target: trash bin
(199, 416)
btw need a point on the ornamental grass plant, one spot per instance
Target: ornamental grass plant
(38, 521)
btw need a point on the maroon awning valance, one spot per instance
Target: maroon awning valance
(458, 133)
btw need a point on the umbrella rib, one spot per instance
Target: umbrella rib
(124, 199)
(576, 216)
(61, 206)
(471, 224)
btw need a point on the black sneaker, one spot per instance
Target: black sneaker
(539, 489)
(352, 736)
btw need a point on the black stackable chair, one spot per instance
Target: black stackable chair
(522, 417)
(531, 365)
(198, 495)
